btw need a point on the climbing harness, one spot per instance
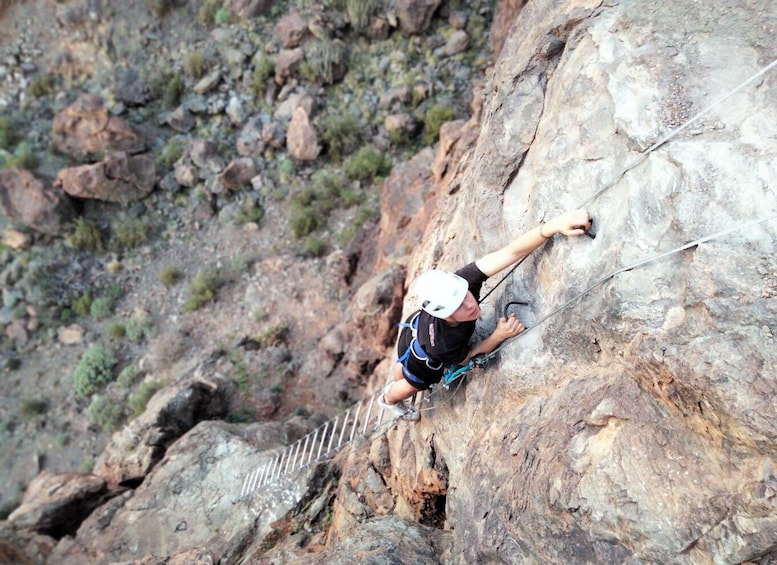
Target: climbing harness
(415, 349)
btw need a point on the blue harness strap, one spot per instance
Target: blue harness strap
(416, 351)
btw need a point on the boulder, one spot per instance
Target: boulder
(86, 131)
(301, 138)
(291, 30)
(238, 173)
(287, 63)
(55, 504)
(171, 412)
(249, 142)
(204, 154)
(415, 16)
(248, 8)
(32, 202)
(118, 178)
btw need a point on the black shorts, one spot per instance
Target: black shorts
(418, 373)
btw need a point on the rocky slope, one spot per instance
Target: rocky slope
(634, 425)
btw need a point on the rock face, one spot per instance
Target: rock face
(26, 199)
(639, 422)
(633, 422)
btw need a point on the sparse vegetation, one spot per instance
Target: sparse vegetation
(273, 336)
(339, 133)
(202, 289)
(23, 157)
(366, 164)
(322, 59)
(94, 370)
(106, 413)
(435, 117)
(161, 7)
(170, 153)
(130, 232)
(360, 13)
(8, 134)
(172, 91)
(264, 66)
(140, 326)
(195, 64)
(139, 399)
(86, 236)
(170, 275)
(248, 212)
(206, 14)
(42, 85)
(34, 407)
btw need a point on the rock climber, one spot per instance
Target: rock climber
(438, 335)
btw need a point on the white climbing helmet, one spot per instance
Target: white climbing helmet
(441, 293)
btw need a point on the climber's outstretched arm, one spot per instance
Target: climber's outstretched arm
(572, 223)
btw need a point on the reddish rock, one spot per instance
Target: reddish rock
(238, 173)
(248, 8)
(119, 178)
(291, 29)
(86, 130)
(26, 199)
(415, 16)
(407, 203)
(55, 504)
(301, 139)
(288, 63)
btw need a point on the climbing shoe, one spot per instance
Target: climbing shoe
(400, 410)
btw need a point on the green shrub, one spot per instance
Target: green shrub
(195, 64)
(140, 326)
(170, 153)
(169, 275)
(202, 290)
(105, 413)
(9, 135)
(366, 164)
(206, 14)
(161, 7)
(23, 157)
(304, 221)
(172, 91)
(34, 407)
(94, 370)
(435, 117)
(322, 57)
(273, 336)
(360, 12)
(223, 16)
(86, 236)
(264, 67)
(339, 133)
(117, 330)
(247, 213)
(286, 169)
(101, 308)
(41, 86)
(139, 399)
(83, 304)
(315, 247)
(129, 233)
(127, 376)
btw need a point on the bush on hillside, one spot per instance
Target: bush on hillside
(94, 370)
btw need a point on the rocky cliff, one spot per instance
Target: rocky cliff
(633, 422)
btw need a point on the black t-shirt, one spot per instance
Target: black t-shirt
(442, 342)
